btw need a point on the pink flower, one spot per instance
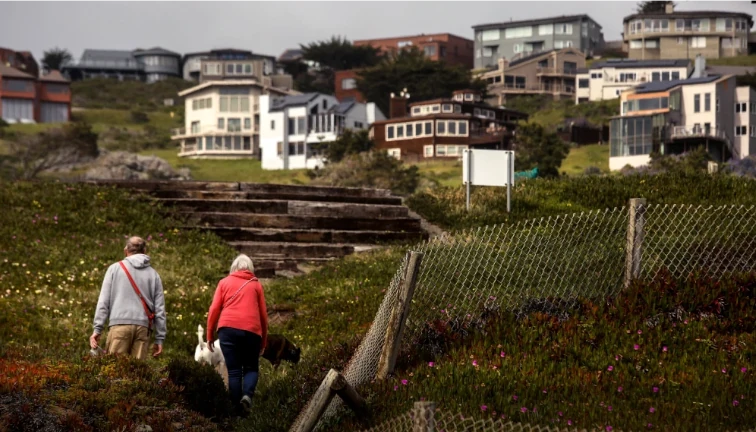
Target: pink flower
(652, 410)
(664, 348)
(396, 388)
(502, 354)
(430, 364)
(609, 429)
(724, 370)
(619, 389)
(636, 347)
(649, 425)
(483, 407)
(609, 407)
(569, 422)
(404, 382)
(560, 414)
(475, 363)
(656, 389)
(616, 358)
(523, 409)
(514, 397)
(744, 370)
(735, 403)
(610, 368)
(640, 332)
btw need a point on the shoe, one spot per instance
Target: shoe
(246, 403)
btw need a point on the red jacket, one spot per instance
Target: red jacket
(246, 311)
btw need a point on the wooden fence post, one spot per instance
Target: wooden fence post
(423, 418)
(399, 312)
(320, 401)
(634, 244)
(350, 396)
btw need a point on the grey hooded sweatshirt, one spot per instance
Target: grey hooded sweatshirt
(119, 304)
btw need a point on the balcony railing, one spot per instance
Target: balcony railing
(555, 71)
(212, 129)
(540, 88)
(682, 132)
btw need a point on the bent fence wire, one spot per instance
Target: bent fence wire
(546, 264)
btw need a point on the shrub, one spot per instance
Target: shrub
(537, 147)
(139, 117)
(745, 167)
(592, 170)
(372, 169)
(204, 390)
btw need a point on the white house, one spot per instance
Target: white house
(678, 116)
(607, 79)
(222, 119)
(290, 125)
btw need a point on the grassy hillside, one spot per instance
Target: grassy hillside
(580, 158)
(746, 60)
(127, 95)
(550, 113)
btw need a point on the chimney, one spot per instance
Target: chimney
(669, 7)
(699, 67)
(398, 105)
(503, 63)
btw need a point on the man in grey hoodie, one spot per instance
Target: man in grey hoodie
(120, 305)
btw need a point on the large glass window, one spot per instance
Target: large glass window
(631, 136)
(234, 125)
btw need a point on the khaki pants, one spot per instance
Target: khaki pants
(130, 339)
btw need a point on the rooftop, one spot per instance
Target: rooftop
(54, 76)
(291, 54)
(410, 37)
(155, 51)
(292, 101)
(237, 83)
(660, 86)
(7, 71)
(530, 22)
(628, 63)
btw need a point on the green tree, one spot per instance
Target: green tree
(646, 7)
(422, 77)
(350, 142)
(56, 58)
(535, 146)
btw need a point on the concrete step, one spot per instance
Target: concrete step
(257, 195)
(297, 251)
(249, 220)
(316, 235)
(296, 208)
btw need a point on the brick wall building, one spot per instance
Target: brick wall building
(444, 47)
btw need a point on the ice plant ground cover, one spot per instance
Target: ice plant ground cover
(60, 238)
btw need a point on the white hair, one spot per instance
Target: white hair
(242, 262)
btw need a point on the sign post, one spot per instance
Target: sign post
(488, 168)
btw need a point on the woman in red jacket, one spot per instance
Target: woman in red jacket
(240, 314)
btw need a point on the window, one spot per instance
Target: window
(452, 126)
(239, 68)
(697, 103)
(224, 104)
(56, 88)
(627, 77)
(428, 128)
(428, 151)
(390, 132)
(583, 83)
(221, 123)
(700, 24)
(636, 27)
(447, 108)
(234, 125)
(442, 51)
(653, 43)
(230, 68)
(247, 143)
(740, 131)
(636, 44)
(546, 29)
(675, 76)
(681, 41)
(441, 127)
(655, 76)
(463, 128)
(518, 32)
(597, 75)
(731, 43)
(698, 42)
(247, 123)
(195, 104)
(195, 127)
(753, 130)
(292, 126)
(562, 29)
(707, 102)
(248, 69)
(410, 130)
(348, 84)
(679, 26)
(430, 50)
(272, 125)
(302, 125)
(244, 104)
(400, 131)
(741, 107)
(402, 44)
(518, 48)
(753, 108)
(418, 129)
(665, 76)
(490, 35)
(395, 153)
(325, 104)
(717, 104)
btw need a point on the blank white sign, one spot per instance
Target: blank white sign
(488, 167)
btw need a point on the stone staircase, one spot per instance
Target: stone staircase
(282, 227)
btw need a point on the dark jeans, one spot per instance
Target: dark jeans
(241, 350)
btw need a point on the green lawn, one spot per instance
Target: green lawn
(445, 173)
(102, 119)
(746, 60)
(582, 157)
(241, 170)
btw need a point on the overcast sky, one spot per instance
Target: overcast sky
(271, 27)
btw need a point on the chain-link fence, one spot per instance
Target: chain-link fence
(546, 264)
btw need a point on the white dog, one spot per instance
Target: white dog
(203, 354)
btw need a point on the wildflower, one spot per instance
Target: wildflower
(475, 363)
(502, 354)
(649, 425)
(735, 403)
(664, 348)
(514, 397)
(430, 364)
(483, 407)
(619, 389)
(523, 410)
(560, 414)
(569, 422)
(609, 408)
(744, 370)
(610, 368)
(724, 371)
(404, 382)
(636, 347)
(609, 429)
(396, 388)
(640, 332)
(652, 410)
(656, 389)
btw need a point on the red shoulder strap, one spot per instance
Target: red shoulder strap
(150, 315)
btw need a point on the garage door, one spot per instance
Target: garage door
(54, 112)
(18, 109)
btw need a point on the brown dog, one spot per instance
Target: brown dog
(279, 348)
